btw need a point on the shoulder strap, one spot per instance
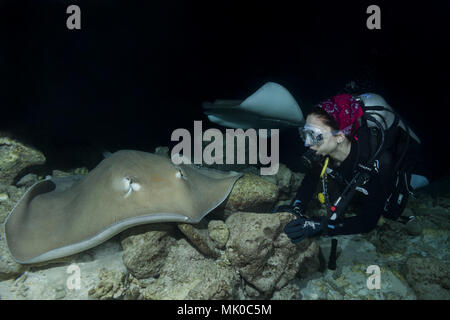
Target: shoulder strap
(363, 173)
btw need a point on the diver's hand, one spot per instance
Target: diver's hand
(294, 208)
(289, 208)
(302, 228)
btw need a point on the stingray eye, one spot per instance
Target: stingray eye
(130, 185)
(126, 183)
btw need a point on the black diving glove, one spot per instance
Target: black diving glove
(293, 208)
(301, 228)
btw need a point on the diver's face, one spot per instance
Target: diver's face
(328, 143)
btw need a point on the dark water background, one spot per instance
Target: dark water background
(137, 70)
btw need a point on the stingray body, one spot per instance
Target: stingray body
(57, 217)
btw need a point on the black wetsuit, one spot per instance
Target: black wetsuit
(379, 186)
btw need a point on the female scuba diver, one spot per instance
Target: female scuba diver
(359, 158)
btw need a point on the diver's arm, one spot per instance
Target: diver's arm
(307, 188)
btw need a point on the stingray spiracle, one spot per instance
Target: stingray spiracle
(180, 174)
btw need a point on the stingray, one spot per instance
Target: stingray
(271, 106)
(58, 217)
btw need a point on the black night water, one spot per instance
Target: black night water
(136, 71)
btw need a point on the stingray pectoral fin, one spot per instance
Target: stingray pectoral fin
(271, 106)
(250, 122)
(273, 100)
(222, 104)
(101, 237)
(15, 222)
(233, 121)
(209, 187)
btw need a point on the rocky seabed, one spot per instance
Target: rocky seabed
(237, 252)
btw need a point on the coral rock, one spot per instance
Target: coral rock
(429, 277)
(253, 194)
(8, 267)
(287, 181)
(112, 285)
(219, 233)
(16, 157)
(262, 253)
(188, 275)
(199, 238)
(144, 253)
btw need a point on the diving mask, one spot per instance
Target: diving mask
(314, 136)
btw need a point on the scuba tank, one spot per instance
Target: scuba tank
(383, 113)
